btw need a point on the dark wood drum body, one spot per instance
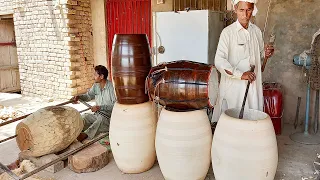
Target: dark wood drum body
(183, 85)
(131, 64)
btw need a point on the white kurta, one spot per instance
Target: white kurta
(239, 48)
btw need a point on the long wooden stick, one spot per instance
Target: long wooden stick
(264, 64)
(271, 42)
(22, 117)
(245, 96)
(316, 112)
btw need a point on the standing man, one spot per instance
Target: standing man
(103, 92)
(240, 46)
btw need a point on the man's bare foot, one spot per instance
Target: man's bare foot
(82, 136)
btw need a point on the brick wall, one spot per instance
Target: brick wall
(54, 46)
(6, 6)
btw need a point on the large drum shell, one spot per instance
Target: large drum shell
(183, 144)
(184, 85)
(131, 63)
(247, 147)
(132, 137)
(49, 130)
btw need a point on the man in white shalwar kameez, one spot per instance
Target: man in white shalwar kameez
(240, 46)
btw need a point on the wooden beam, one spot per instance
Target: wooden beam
(7, 43)
(11, 90)
(6, 15)
(9, 67)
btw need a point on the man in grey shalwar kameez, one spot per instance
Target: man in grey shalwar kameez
(103, 92)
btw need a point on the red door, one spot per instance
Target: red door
(127, 17)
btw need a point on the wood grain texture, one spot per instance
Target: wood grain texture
(9, 73)
(90, 159)
(48, 130)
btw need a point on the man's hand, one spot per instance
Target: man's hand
(269, 51)
(95, 108)
(250, 76)
(75, 99)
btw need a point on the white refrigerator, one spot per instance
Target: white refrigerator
(183, 35)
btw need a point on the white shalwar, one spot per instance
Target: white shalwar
(239, 48)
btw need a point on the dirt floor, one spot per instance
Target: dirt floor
(295, 160)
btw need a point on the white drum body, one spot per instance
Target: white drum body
(132, 137)
(183, 144)
(244, 148)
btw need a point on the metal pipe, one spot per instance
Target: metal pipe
(306, 125)
(84, 110)
(4, 140)
(245, 96)
(10, 173)
(22, 117)
(316, 112)
(63, 156)
(89, 106)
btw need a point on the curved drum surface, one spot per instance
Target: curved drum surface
(183, 144)
(132, 135)
(183, 85)
(244, 148)
(48, 130)
(131, 63)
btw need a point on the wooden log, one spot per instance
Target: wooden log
(90, 159)
(48, 130)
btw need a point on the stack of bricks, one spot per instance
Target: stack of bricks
(6, 7)
(54, 46)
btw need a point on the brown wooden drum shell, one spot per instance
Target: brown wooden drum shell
(131, 63)
(183, 85)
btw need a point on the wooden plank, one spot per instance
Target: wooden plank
(5, 81)
(7, 43)
(9, 71)
(7, 16)
(11, 89)
(9, 67)
(217, 5)
(14, 55)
